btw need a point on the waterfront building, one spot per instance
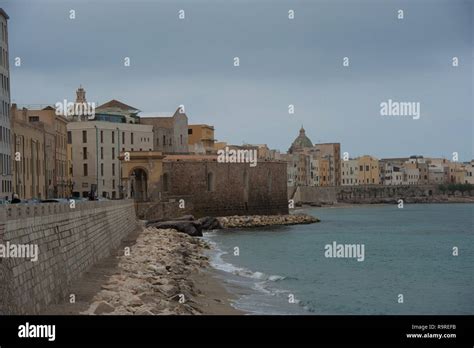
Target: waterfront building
(350, 172)
(469, 173)
(6, 175)
(369, 172)
(331, 152)
(95, 150)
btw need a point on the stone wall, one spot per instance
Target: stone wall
(369, 194)
(70, 241)
(236, 188)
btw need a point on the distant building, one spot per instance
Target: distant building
(95, 149)
(29, 143)
(201, 139)
(55, 143)
(318, 155)
(301, 144)
(6, 177)
(468, 174)
(369, 171)
(170, 132)
(331, 152)
(114, 111)
(350, 172)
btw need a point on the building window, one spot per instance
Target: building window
(113, 137)
(101, 169)
(113, 169)
(190, 131)
(84, 153)
(69, 137)
(101, 153)
(123, 137)
(181, 139)
(131, 138)
(164, 140)
(85, 169)
(113, 153)
(34, 118)
(101, 137)
(210, 182)
(84, 136)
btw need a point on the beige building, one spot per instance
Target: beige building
(55, 150)
(96, 147)
(320, 172)
(29, 157)
(369, 172)
(331, 152)
(170, 132)
(201, 139)
(469, 173)
(350, 172)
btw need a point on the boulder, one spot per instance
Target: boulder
(209, 223)
(191, 228)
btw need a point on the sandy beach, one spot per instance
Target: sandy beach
(155, 272)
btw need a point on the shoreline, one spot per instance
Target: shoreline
(166, 272)
(367, 204)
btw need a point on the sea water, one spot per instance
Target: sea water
(409, 252)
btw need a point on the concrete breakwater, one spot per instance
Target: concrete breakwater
(265, 220)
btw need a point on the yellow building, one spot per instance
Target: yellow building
(29, 157)
(201, 138)
(55, 140)
(369, 171)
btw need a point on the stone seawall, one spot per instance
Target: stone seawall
(69, 240)
(368, 194)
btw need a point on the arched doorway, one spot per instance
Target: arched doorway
(138, 185)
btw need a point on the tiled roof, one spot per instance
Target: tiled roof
(117, 104)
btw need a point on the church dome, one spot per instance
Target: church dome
(301, 141)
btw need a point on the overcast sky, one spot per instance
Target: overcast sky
(282, 62)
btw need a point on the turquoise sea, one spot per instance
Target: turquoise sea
(408, 251)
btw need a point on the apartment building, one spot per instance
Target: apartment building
(55, 143)
(29, 179)
(369, 172)
(350, 172)
(6, 170)
(95, 150)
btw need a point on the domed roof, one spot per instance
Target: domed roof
(301, 141)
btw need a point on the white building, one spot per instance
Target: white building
(96, 147)
(349, 172)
